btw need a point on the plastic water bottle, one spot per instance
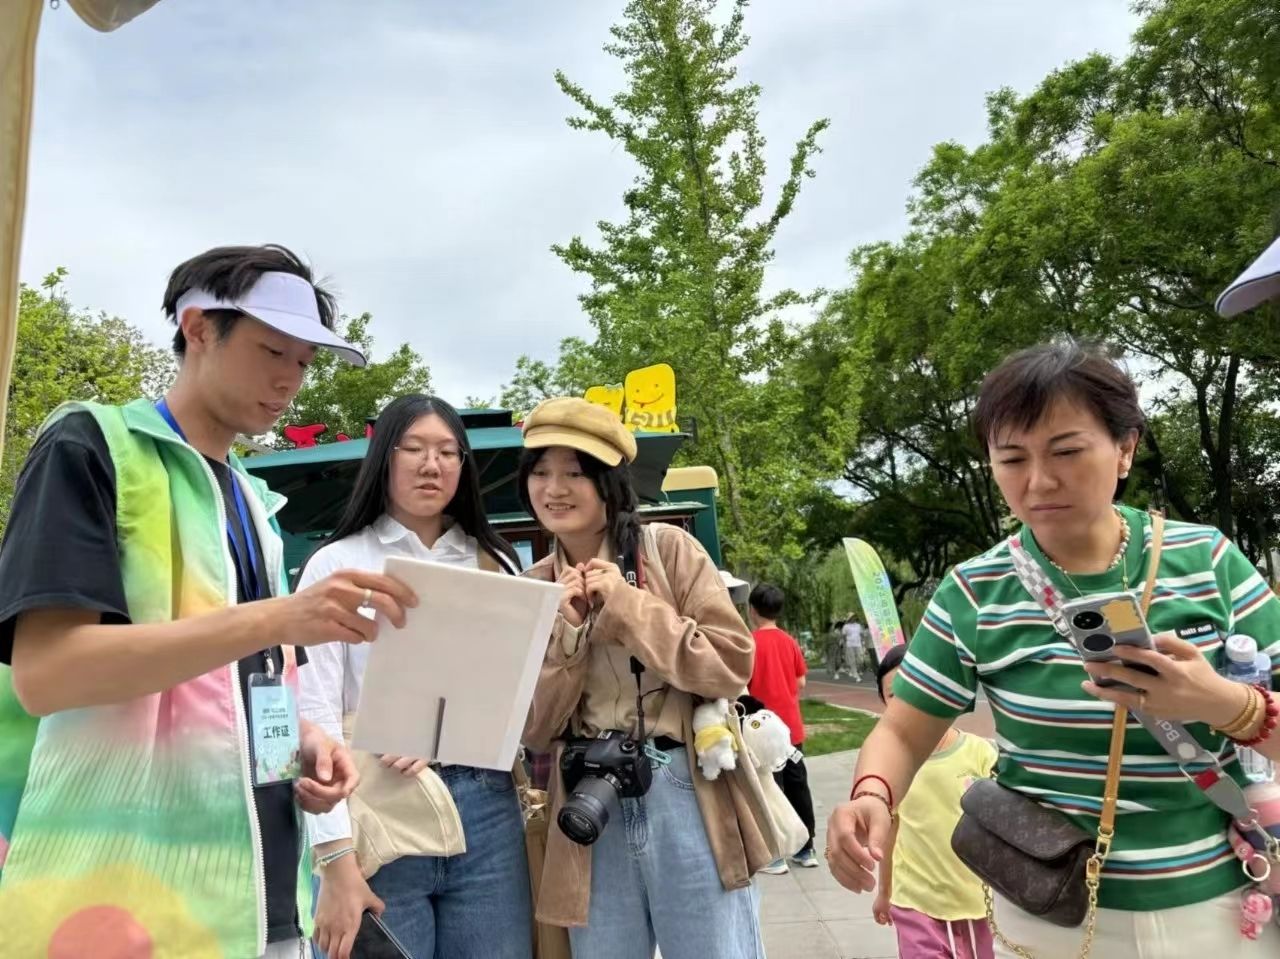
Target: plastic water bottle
(1246, 665)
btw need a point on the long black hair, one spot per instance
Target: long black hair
(613, 483)
(369, 498)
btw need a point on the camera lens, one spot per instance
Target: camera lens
(585, 813)
(1098, 643)
(1089, 619)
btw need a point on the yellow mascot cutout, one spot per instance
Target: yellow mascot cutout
(651, 400)
(609, 397)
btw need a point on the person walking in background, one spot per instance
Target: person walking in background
(834, 649)
(854, 650)
(930, 897)
(776, 681)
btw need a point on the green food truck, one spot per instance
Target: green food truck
(318, 479)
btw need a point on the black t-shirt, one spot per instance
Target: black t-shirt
(60, 551)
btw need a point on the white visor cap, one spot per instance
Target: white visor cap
(284, 302)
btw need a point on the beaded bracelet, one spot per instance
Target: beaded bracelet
(893, 813)
(880, 779)
(328, 859)
(1271, 714)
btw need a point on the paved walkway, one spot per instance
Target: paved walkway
(863, 696)
(808, 915)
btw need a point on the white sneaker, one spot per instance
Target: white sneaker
(808, 859)
(777, 868)
(857, 678)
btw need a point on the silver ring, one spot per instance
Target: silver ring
(368, 599)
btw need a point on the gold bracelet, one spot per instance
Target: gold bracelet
(1247, 716)
(1240, 717)
(1256, 718)
(1255, 712)
(1244, 719)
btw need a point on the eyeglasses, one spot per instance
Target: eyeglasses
(448, 457)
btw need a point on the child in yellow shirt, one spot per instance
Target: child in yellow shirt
(932, 900)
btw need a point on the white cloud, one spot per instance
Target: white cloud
(417, 153)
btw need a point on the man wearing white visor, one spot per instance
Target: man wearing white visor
(151, 758)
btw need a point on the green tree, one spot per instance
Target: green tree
(342, 396)
(574, 371)
(680, 278)
(1112, 202)
(65, 354)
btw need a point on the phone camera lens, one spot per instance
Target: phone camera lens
(1098, 643)
(1089, 619)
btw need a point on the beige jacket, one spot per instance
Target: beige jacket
(686, 630)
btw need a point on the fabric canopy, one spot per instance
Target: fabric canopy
(21, 19)
(21, 23)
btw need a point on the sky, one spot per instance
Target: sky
(416, 153)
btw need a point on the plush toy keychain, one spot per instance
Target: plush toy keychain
(1255, 912)
(768, 740)
(713, 742)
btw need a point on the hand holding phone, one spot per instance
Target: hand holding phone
(375, 941)
(1103, 621)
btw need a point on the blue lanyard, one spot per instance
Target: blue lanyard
(246, 567)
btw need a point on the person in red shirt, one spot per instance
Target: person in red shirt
(777, 680)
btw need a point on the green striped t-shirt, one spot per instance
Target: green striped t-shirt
(982, 627)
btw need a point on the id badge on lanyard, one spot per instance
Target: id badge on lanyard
(272, 712)
(273, 728)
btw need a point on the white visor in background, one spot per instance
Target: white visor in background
(738, 588)
(284, 302)
(1259, 283)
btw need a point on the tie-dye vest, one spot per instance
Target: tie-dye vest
(127, 830)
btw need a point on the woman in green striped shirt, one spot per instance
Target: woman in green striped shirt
(1060, 424)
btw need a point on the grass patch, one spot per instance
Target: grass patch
(830, 729)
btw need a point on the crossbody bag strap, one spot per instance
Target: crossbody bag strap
(1042, 590)
(1120, 722)
(1174, 738)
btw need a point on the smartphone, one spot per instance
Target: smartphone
(375, 941)
(1101, 622)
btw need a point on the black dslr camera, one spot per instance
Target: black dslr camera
(612, 764)
(595, 770)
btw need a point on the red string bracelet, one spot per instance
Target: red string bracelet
(880, 779)
(1270, 717)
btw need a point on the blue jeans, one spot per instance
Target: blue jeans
(654, 882)
(475, 905)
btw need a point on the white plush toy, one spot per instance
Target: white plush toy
(768, 740)
(713, 742)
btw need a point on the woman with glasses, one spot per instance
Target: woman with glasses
(397, 847)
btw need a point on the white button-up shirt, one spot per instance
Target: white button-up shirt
(329, 684)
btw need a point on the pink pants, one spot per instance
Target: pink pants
(923, 937)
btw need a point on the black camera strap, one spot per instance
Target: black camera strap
(631, 563)
(637, 668)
